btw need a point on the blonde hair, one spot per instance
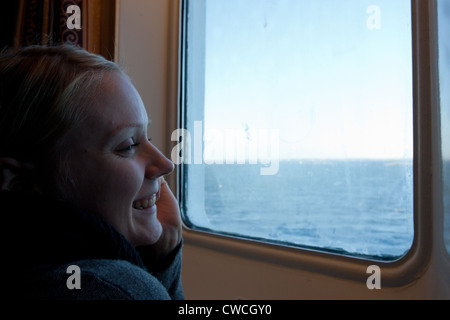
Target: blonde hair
(44, 92)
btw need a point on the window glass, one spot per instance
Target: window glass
(444, 80)
(298, 118)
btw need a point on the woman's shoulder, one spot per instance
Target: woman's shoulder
(101, 279)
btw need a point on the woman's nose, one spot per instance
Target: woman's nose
(158, 165)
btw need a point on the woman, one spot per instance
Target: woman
(86, 211)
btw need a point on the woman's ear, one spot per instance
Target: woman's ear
(9, 169)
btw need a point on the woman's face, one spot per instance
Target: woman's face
(114, 167)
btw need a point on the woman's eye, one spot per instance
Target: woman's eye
(127, 146)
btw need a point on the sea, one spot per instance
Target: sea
(352, 207)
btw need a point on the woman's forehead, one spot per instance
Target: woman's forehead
(116, 108)
(118, 104)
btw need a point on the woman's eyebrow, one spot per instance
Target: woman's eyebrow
(111, 135)
(133, 125)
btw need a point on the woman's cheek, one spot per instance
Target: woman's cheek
(124, 183)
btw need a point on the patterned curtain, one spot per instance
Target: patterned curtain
(49, 22)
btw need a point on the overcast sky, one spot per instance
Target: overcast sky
(444, 62)
(334, 78)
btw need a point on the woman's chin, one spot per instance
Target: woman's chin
(147, 229)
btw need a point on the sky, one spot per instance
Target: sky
(331, 79)
(444, 74)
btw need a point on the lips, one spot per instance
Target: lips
(145, 203)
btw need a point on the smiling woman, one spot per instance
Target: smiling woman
(97, 182)
(119, 162)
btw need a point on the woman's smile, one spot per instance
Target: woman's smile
(145, 203)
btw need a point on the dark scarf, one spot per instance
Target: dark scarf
(37, 230)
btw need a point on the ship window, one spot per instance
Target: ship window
(444, 81)
(297, 123)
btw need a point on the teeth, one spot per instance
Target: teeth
(146, 203)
